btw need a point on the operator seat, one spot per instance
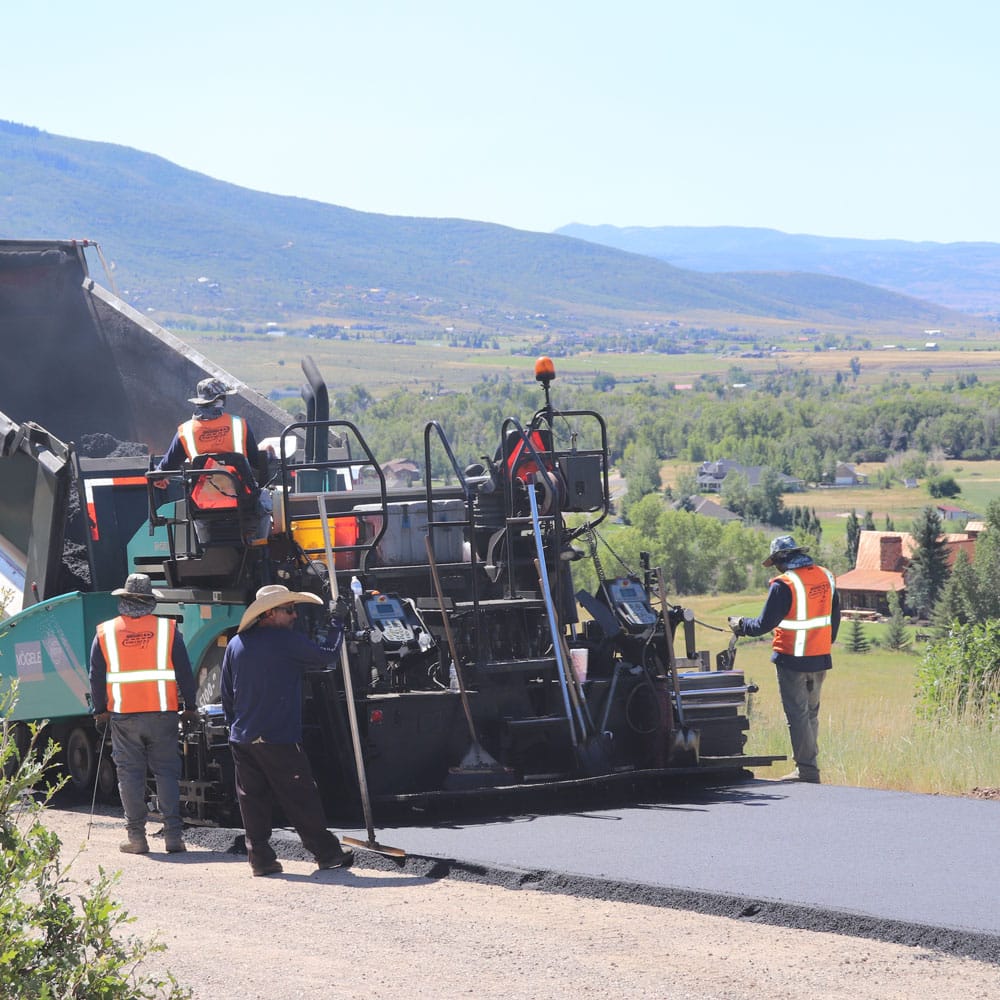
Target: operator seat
(223, 499)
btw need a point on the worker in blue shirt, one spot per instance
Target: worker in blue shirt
(262, 671)
(802, 609)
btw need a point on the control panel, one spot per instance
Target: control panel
(630, 603)
(394, 618)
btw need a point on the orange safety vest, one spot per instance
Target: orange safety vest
(140, 675)
(807, 631)
(213, 492)
(209, 437)
(529, 466)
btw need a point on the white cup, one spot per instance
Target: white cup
(578, 661)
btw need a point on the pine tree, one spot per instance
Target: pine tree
(959, 598)
(853, 537)
(987, 567)
(869, 522)
(856, 639)
(928, 569)
(896, 636)
(888, 523)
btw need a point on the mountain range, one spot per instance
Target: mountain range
(182, 244)
(963, 276)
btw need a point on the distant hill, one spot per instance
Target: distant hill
(184, 244)
(964, 276)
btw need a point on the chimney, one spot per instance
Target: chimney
(890, 553)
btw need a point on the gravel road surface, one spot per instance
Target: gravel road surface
(381, 932)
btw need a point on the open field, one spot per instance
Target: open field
(268, 364)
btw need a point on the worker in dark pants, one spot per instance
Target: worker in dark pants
(138, 663)
(262, 671)
(803, 610)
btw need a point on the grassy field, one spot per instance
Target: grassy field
(269, 363)
(870, 732)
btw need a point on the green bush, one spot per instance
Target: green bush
(50, 947)
(960, 673)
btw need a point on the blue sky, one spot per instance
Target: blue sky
(874, 119)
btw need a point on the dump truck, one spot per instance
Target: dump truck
(471, 665)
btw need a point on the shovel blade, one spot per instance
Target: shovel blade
(684, 747)
(374, 845)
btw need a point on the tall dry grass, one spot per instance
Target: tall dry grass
(871, 733)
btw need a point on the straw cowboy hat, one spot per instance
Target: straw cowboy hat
(274, 596)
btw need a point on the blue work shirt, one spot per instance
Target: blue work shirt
(262, 670)
(775, 611)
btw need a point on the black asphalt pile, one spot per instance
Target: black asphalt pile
(106, 446)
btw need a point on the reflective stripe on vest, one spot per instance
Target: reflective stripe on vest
(807, 631)
(209, 437)
(140, 671)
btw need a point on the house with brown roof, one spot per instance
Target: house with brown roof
(883, 558)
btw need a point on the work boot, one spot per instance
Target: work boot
(175, 845)
(136, 844)
(271, 868)
(342, 860)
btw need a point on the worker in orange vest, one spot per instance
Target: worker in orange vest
(140, 675)
(803, 611)
(211, 431)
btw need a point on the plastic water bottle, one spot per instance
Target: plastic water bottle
(356, 588)
(453, 677)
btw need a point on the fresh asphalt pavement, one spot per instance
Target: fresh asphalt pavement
(916, 869)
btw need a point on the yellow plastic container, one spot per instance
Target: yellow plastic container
(343, 531)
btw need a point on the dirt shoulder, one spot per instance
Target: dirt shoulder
(376, 934)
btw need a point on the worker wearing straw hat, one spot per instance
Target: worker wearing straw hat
(262, 671)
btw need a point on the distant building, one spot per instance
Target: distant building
(883, 558)
(847, 475)
(949, 512)
(707, 508)
(401, 473)
(711, 476)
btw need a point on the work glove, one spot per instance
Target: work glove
(340, 614)
(736, 624)
(101, 720)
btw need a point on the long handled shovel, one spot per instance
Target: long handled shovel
(97, 777)
(686, 742)
(477, 768)
(371, 844)
(591, 751)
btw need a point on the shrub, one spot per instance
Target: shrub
(960, 673)
(50, 948)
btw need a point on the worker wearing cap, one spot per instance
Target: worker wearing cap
(210, 430)
(139, 675)
(262, 671)
(803, 610)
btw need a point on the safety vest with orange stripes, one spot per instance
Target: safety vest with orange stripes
(209, 437)
(140, 674)
(808, 628)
